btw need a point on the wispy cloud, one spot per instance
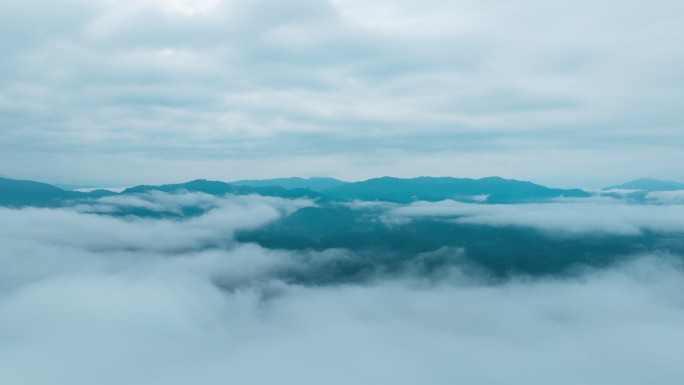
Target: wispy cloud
(592, 216)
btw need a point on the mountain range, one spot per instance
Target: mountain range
(18, 193)
(648, 184)
(314, 184)
(490, 190)
(427, 244)
(486, 190)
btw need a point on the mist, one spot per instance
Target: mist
(95, 298)
(609, 216)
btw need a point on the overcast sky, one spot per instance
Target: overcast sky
(566, 93)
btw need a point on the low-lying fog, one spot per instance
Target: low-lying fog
(91, 298)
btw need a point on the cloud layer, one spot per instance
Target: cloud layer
(587, 216)
(233, 89)
(87, 298)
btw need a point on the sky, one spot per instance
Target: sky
(116, 93)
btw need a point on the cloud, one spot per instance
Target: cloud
(605, 216)
(69, 228)
(233, 87)
(174, 326)
(153, 201)
(666, 197)
(177, 202)
(97, 299)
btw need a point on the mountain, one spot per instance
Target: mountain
(199, 185)
(222, 188)
(431, 244)
(492, 189)
(18, 193)
(21, 193)
(314, 184)
(648, 184)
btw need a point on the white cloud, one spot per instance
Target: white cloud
(156, 201)
(666, 197)
(574, 217)
(63, 227)
(617, 327)
(94, 299)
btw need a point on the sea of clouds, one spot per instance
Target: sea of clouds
(88, 298)
(586, 216)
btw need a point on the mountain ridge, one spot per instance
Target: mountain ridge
(315, 184)
(496, 190)
(19, 192)
(648, 184)
(391, 189)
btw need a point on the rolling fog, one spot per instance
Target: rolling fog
(92, 298)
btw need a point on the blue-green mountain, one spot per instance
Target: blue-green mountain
(648, 184)
(485, 190)
(222, 188)
(427, 245)
(314, 184)
(18, 193)
(492, 190)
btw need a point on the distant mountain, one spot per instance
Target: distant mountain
(489, 190)
(199, 185)
(222, 188)
(496, 190)
(18, 193)
(21, 193)
(314, 184)
(648, 184)
(72, 187)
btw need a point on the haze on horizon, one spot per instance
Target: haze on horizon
(567, 94)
